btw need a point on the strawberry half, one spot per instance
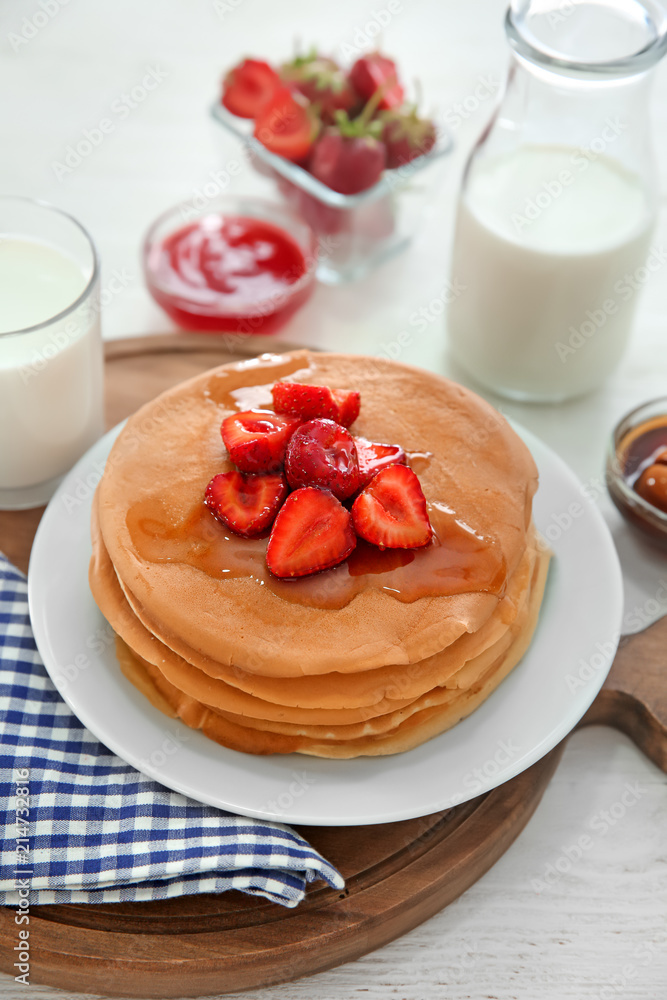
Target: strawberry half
(311, 401)
(257, 439)
(287, 125)
(246, 504)
(248, 86)
(391, 511)
(373, 457)
(322, 453)
(312, 532)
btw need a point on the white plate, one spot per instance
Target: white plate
(532, 710)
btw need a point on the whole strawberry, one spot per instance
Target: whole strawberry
(322, 81)
(349, 156)
(406, 136)
(375, 72)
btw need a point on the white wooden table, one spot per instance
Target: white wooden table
(600, 930)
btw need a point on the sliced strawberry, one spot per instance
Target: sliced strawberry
(246, 504)
(312, 532)
(391, 511)
(257, 439)
(322, 453)
(373, 457)
(375, 71)
(311, 401)
(248, 86)
(349, 403)
(304, 401)
(287, 125)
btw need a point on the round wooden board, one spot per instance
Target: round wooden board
(397, 874)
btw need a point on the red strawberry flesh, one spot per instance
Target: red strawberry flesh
(248, 86)
(322, 453)
(257, 439)
(311, 401)
(287, 125)
(391, 511)
(349, 404)
(245, 503)
(312, 532)
(373, 457)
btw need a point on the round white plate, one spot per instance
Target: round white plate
(532, 710)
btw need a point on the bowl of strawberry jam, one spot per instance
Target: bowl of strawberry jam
(239, 264)
(637, 468)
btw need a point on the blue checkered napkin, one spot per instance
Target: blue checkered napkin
(93, 829)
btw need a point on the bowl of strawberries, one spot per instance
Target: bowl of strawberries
(345, 148)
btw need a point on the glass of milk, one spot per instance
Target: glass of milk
(51, 382)
(553, 238)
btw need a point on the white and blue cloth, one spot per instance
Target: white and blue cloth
(85, 827)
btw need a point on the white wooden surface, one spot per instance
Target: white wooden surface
(600, 930)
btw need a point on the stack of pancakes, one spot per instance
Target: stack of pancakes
(260, 672)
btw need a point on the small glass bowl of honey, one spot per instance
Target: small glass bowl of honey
(637, 468)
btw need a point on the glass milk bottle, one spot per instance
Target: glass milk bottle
(553, 239)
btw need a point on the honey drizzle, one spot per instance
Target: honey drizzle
(456, 561)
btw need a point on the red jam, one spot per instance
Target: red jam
(229, 273)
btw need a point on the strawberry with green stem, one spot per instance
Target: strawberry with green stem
(321, 81)
(349, 156)
(375, 72)
(406, 135)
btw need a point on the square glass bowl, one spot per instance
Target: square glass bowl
(356, 232)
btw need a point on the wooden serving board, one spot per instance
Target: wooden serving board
(397, 874)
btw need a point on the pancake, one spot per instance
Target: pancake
(150, 503)
(383, 689)
(407, 729)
